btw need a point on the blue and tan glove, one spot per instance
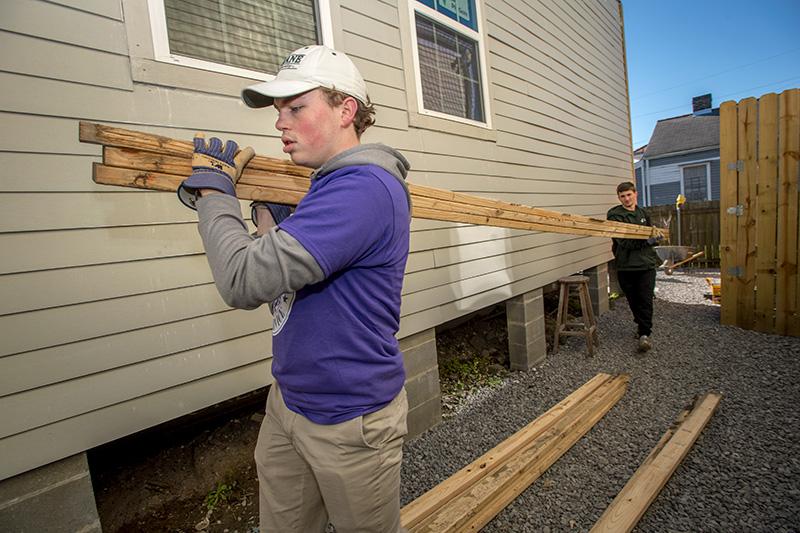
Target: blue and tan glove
(656, 237)
(266, 215)
(279, 212)
(214, 167)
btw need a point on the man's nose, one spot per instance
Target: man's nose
(280, 122)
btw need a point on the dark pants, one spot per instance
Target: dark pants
(638, 286)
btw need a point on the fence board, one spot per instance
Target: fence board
(728, 130)
(760, 253)
(700, 228)
(745, 232)
(767, 206)
(788, 173)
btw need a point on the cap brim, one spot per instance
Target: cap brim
(263, 94)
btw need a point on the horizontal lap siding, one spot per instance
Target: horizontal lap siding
(563, 143)
(109, 317)
(664, 174)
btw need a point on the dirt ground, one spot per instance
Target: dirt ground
(201, 477)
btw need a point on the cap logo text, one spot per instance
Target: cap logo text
(292, 61)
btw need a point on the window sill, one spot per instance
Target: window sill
(184, 77)
(425, 122)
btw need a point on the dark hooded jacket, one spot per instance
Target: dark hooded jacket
(632, 254)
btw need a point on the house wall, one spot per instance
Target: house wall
(109, 319)
(640, 188)
(664, 175)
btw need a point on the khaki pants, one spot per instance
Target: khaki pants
(347, 474)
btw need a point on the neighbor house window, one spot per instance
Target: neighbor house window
(695, 182)
(449, 59)
(240, 37)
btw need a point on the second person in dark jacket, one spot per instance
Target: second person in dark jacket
(636, 261)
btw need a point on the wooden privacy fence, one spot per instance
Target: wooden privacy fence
(759, 173)
(699, 227)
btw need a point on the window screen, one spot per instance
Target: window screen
(250, 34)
(695, 183)
(449, 71)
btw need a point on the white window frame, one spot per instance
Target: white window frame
(415, 7)
(706, 164)
(158, 27)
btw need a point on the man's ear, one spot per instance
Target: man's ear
(349, 110)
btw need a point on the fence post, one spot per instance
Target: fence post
(745, 236)
(766, 210)
(787, 307)
(728, 161)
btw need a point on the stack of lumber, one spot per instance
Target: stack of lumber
(645, 484)
(146, 161)
(470, 498)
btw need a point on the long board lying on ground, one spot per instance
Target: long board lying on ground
(642, 488)
(146, 161)
(471, 497)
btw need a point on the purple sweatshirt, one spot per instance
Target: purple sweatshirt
(333, 274)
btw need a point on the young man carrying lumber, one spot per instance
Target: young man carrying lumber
(330, 446)
(636, 262)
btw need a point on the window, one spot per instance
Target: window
(448, 55)
(664, 193)
(695, 182)
(242, 37)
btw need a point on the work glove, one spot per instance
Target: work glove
(213, 167)
(279, 212)
(656, 237)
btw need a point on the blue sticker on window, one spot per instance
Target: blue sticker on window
(462, 11)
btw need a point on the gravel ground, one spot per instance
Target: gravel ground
(742, 474)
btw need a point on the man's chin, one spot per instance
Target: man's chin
(300, 162)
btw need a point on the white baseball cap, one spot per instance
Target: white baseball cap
(306, 69)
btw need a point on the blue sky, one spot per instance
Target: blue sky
(733, 49)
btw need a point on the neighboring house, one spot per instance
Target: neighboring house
(109, 319)
(682, 157)
(637, 171)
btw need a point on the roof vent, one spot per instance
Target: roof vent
(701, 105)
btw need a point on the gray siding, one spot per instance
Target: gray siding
(109, 319)
(715, 186)
(639, 185)
(664, 193)
(665, 174)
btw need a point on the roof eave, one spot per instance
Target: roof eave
(682, 152)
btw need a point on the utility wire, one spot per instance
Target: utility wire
(717, 74)
(636, 143)
(723, 96)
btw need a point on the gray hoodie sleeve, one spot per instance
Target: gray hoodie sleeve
(250, 271)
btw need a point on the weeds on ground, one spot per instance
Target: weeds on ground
(472, 356)
(218, 495)
(222, 494)
(463, 375)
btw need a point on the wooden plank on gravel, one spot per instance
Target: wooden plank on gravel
(434, 499)
(473, 496)
(146, 161)
(530, 471)
(642, 488)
